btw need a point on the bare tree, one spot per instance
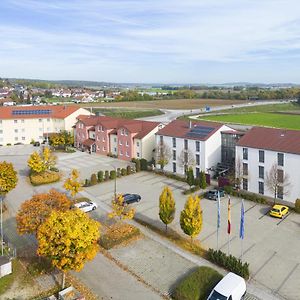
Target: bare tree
(163, 154)
(277, 181)
(186, 159)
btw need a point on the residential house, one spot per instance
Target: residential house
(126, 139)
(262, 152)
(192, 144)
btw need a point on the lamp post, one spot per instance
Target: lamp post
(1, 199)
(115, 186)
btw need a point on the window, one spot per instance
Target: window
(185, 157)
(126, 132)
(115, 140)
(245, 169)
(127, 154)
(261, 156)
(98, 137)
(115, 149)
(197, 159)
(261, 172)
(280, 159)
(174, 154)
(48, 120)
(122, 131)
(16, 130)
(174, 142)
(40, 120)
(102, 129)
(161, 139)
(280, 176)
(174, 167)
(22, 121)
(16, 138)
(197, 172)
(120, 143)
(261, 187)
(197, 146)
(103, 140)
(185, 144)
(137, 144)
(127, 144)
(1, 131)
(245, 153)
(280, 192)
(121, 152)
(138, 154)
(15, 121)
(99, 128)
(104, 149)
(98, 148)
(40, 129)
(23, 138)
(245, 184)
(0, 121)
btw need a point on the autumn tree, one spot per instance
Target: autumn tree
(186, 160)
(68, 239)
(120, 209)
(72, 183)
(40, 162)
(277, 182)
(61, 139)
(35, 211)
(163, 154)
(191, 217)
(166, 206)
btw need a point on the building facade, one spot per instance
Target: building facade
(126, 139)
(268, 160)
(22, 124)
(191, 144)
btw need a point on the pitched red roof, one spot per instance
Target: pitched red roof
(40, 111)
(140, 128)
(181, 129)
(280, 140)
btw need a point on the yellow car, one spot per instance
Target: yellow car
(279, 211)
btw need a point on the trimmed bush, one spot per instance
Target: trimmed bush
(93, 179)
(54, 169)
(123, 172)
(44, 178)
(144, 164)
(100, 176)
(128, 170)
(86, 183)
(138, 165)
(297, 206)
(112, 174)
(117, 234)
(106, 175)
(170, 175)
(230, 262)
(197, 285)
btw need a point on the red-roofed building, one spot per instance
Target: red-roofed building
(192, 144)
(21, 124)
(123, 138)
(262, 148)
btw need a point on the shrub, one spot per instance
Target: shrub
(170, 175)
(54, 169)
(128, 170)
(202, 180)
(112, 174)
(197, 285)
(118, 172)
(100, 176)
(246, 195)
(87, 183)
(8, 144)
(191, 190)
(138, 165)
(297, 206)
(230, 262)
(44, 177)
(93, 179)
(123, 172)
(106, 175)
(228, 189)
(117, 234)
(144, 164)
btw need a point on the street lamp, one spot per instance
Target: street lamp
(115, 187)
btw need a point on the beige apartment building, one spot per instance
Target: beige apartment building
(22, 124)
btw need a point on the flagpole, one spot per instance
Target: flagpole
(229, 225)
(242, 228)
(218, 220)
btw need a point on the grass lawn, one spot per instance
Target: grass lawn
(129, 114)
(197, 285)
(277, 120)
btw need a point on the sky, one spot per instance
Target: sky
(157, 41)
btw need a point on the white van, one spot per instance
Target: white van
(231, 287)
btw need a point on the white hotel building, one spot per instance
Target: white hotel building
(202, 140)
(21, 124)
(259, 149)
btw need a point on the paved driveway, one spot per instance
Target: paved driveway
(271, 246)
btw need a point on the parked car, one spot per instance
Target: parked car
(213, 194)
(36, 144)
(279, 211)
(231, 287)
(131, 198)
(86, 206)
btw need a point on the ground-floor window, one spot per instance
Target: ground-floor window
(174, 167)
(280, 192)
(245, 184)
(197, 172)
(261, 187)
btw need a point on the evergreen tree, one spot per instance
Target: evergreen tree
(190, 179)
(191, 217)
(166, 206)
(203, 183)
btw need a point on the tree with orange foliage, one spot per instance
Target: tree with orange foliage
(121, 209)
(36, 210)
(69, 239)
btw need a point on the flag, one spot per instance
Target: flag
(242, 224)
(219, 214)
(229, 217)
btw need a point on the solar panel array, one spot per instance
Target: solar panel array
(31, 112)
(200, 132)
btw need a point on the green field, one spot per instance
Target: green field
(129, 114)
(277, 120)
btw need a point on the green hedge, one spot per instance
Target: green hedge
(245, 195)
(191, 190)
(170, 175)
(297, 206)
(197, 285)
(100, 176)
(230, 262)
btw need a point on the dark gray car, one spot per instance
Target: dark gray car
(213, 194)
(131, 198)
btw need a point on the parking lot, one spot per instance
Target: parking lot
(271, 245)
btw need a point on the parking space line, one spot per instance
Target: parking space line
(247, 250)
(286, 278)
(263, 215)
(283, 219)
(227, 242)
(250, 208)
(264, 264)
(208, 236)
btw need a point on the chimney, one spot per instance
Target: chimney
(190, 124)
